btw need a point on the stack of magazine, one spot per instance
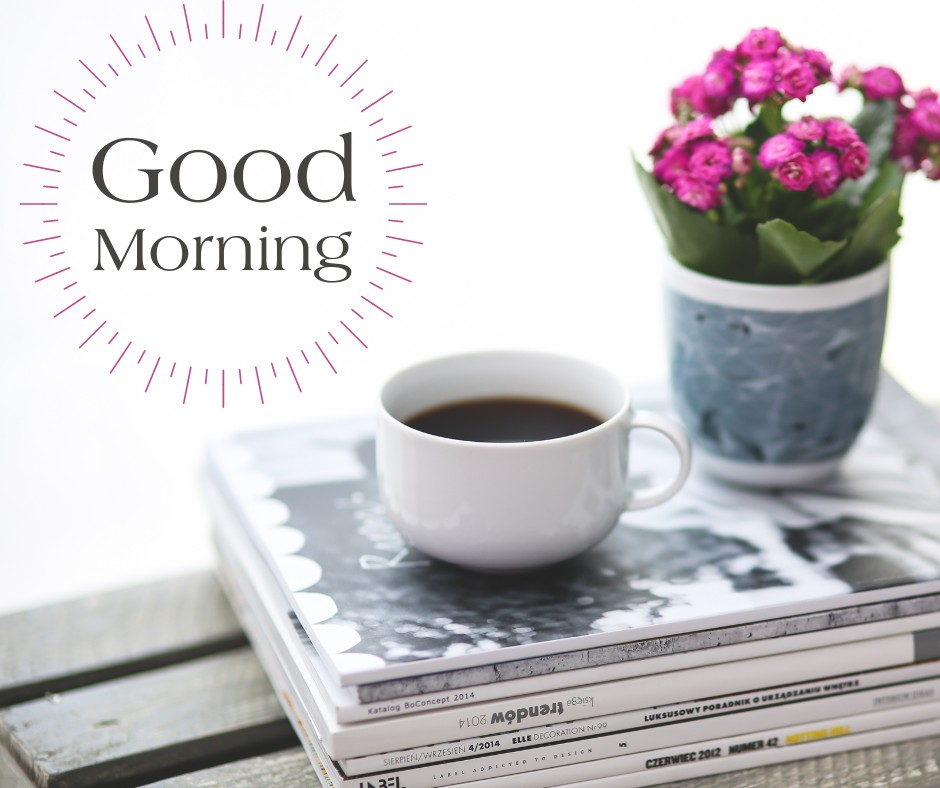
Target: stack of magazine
(723, 630)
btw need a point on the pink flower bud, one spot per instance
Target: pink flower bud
(740, 161)
(710, 161)
(664, 140)
(926, 118)
(758, 80)
(674, 162)
(692, 97)
(778, 149)
(905, 140)
(807, 129)
(854, 160)
(796, 173)
(697, 129)
(925, 95)
(840, 134)
(881, 83)
(796, 78)
(763, 42)
(719, 80)
(695, 193)
(827, 174)
(821, 65)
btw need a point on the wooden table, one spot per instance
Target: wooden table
(157, 685)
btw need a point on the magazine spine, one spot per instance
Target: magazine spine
(635, 752)
(351, 713)
(618, 696)
(743, 711)
(678, 651)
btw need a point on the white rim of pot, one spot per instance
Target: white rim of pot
(776, 298)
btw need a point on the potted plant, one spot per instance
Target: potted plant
(780, 225)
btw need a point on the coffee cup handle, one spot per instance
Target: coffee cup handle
(647, 419)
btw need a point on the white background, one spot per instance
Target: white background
(536, 236)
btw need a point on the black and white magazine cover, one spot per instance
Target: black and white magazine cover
(715, 556)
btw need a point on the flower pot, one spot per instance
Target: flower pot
(774, 382)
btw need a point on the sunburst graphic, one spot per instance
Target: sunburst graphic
(87, 314)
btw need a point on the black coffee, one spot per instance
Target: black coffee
(503, 420)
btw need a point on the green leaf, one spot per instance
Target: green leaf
(767, 122)
(831, 219)
(876, 234)
(875, 125)
(787, 255)
(694, 239)
(890, 178)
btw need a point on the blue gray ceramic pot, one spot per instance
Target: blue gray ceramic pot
(774, 382)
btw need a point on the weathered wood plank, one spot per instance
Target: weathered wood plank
(75, 643)
(286, 769)
(151, 726)
(11, 775)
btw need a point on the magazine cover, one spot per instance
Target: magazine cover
(740, 685)
(912, 641)
(715, 556)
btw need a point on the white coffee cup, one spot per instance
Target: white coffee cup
(504, 507)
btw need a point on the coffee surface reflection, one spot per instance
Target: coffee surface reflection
(503, 420)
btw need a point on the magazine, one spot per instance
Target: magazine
(341, 741)
(635, 757)
(655, 655)
(713, 560)
(345, 708)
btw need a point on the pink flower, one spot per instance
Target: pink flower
(821, 65)
(697, 194)
(740, 161)
(695, 130)
(719, 80)
(758, 80)
(674, 163)
(778, 149)
(796, 78)
(840, 134)
(692, 96)
(881, 83)
(854, 160)
(710, 161)
(796, 173)
(808, 129)
(688, 94)
(763, 42)
(904, 145)
(926, 118)
(827, 174)
(664, 140)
